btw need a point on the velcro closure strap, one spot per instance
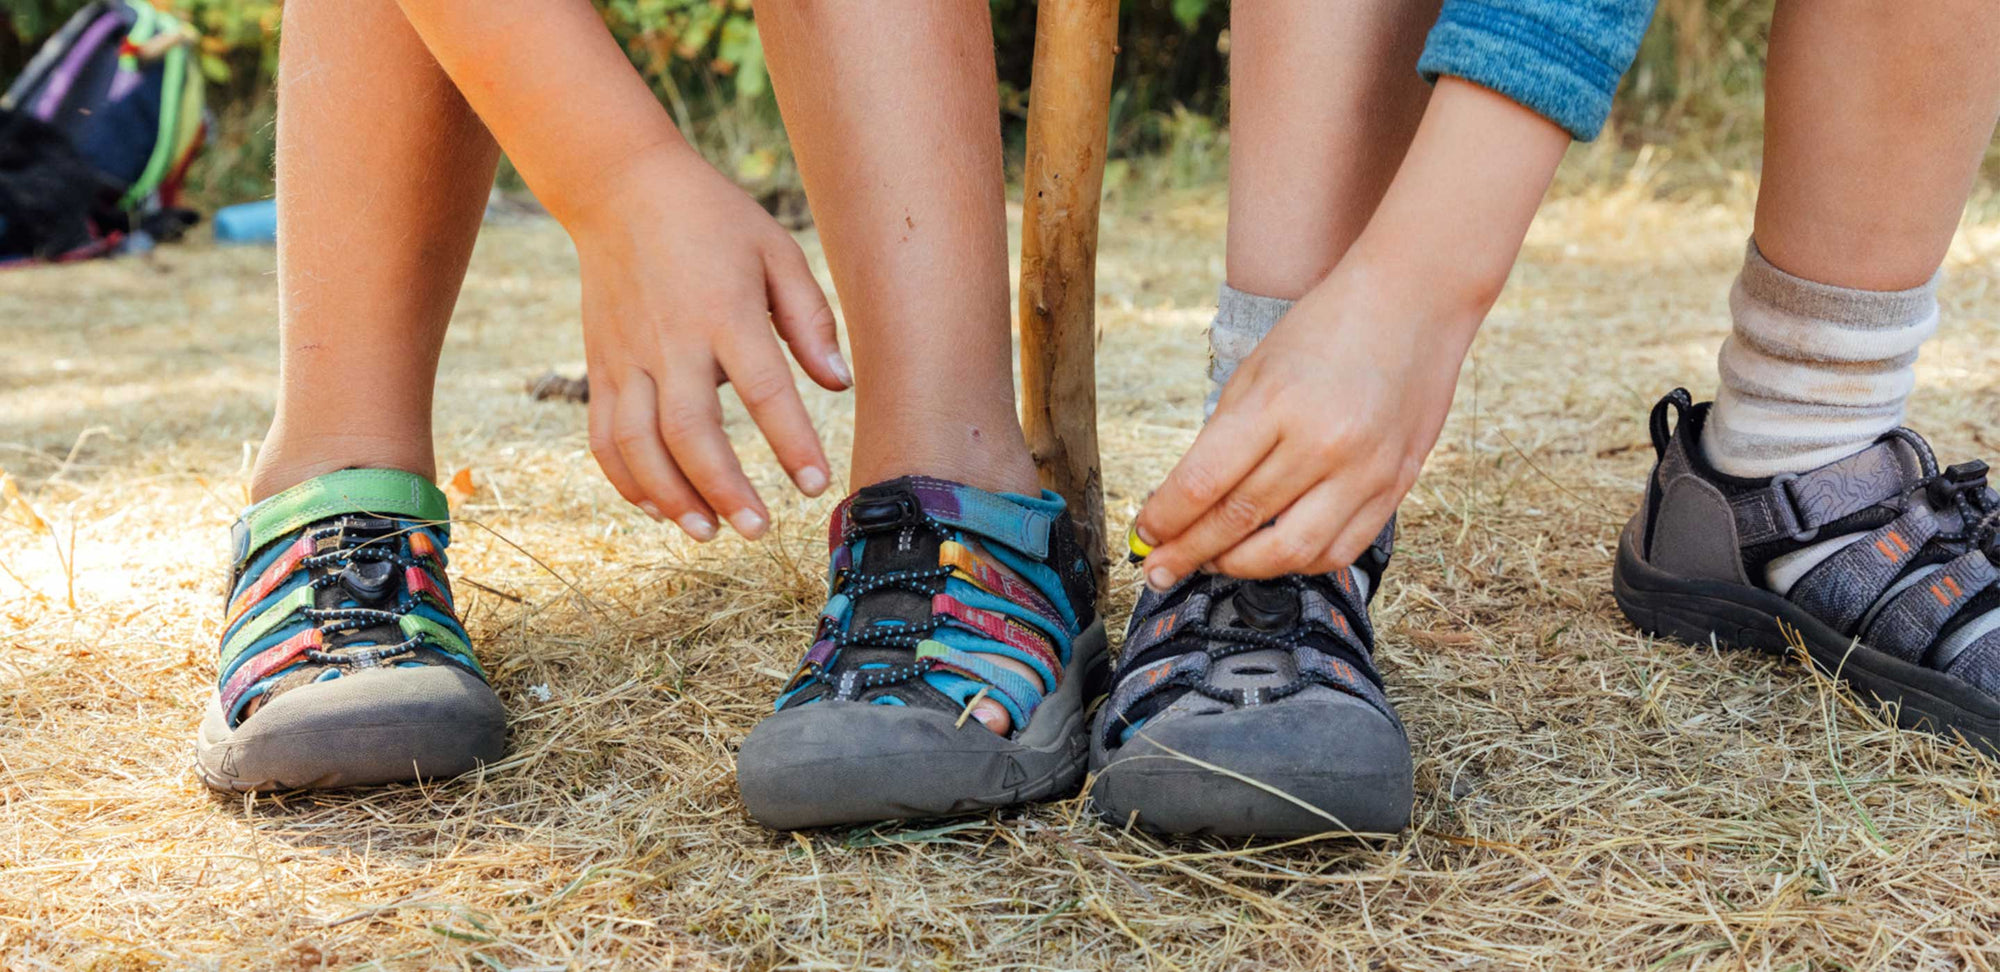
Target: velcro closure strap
(987, 514)
(389, 493)
(1793, 506)
(1161, 628)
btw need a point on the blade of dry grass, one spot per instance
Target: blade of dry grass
(1587, 799)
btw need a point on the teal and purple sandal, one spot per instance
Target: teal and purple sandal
(945, 601)
(343, 661)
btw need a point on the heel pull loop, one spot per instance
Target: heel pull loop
(1662, 432)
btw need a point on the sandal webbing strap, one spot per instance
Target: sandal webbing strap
(1189, 670)
(299, 604)
(1841, 588)
(984, 595)
(1160, 629)
(1003, 629)
(994, 579)
(1909, 623)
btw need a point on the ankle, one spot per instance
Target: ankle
(994, 459)
(288, 459)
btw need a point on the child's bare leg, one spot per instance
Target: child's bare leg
(1324, 99)
(1316, 131)
(1877, 119)
(1389, 214)
(382, 177)
(343, 661)
(903, 169)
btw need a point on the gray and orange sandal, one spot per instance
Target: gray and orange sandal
(1253, 708)
(952, 614)
(343, 661)
(1880, 563)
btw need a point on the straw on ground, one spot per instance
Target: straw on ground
(1587, 799)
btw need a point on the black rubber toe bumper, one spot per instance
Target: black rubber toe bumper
(1294, 768)
(384, 725)
(829, 763)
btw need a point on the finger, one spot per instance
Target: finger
(605, 450)
(802, 317)
(635, 433)
(690, 422)
(1269, 489)
(1362, 528)
(763, 380)
(1227, 449)
(1296, 542)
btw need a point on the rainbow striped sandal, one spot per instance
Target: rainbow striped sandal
(946, 602)
(343, 662)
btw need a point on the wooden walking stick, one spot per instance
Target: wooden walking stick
(1069, 105)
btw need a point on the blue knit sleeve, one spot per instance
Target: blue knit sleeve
(1561, 59)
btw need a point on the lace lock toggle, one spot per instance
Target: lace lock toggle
(368, 580)
(1955, 481)
(885, 510)
(1269, 608)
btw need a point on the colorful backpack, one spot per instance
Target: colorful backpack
(120, 82)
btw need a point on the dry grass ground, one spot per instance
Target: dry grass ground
(1587, 799)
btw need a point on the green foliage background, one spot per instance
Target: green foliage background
(1698, 72)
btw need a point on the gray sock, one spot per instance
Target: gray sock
(1241, 320)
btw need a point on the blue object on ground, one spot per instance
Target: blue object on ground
(252, 222)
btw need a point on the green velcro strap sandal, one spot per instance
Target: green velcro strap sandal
(343, 661)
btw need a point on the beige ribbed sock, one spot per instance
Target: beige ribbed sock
(1811, 372)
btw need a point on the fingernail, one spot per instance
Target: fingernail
(697, 526)
(838, 365)
(747, 523)
(650, 510)
(811, 480)
(1145, 535)
(1160, 578)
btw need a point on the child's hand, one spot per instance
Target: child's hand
(684, 277)
(1326, 423)
(1324, 427)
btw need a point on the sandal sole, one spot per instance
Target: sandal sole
(1738, 616)
(833, 763)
